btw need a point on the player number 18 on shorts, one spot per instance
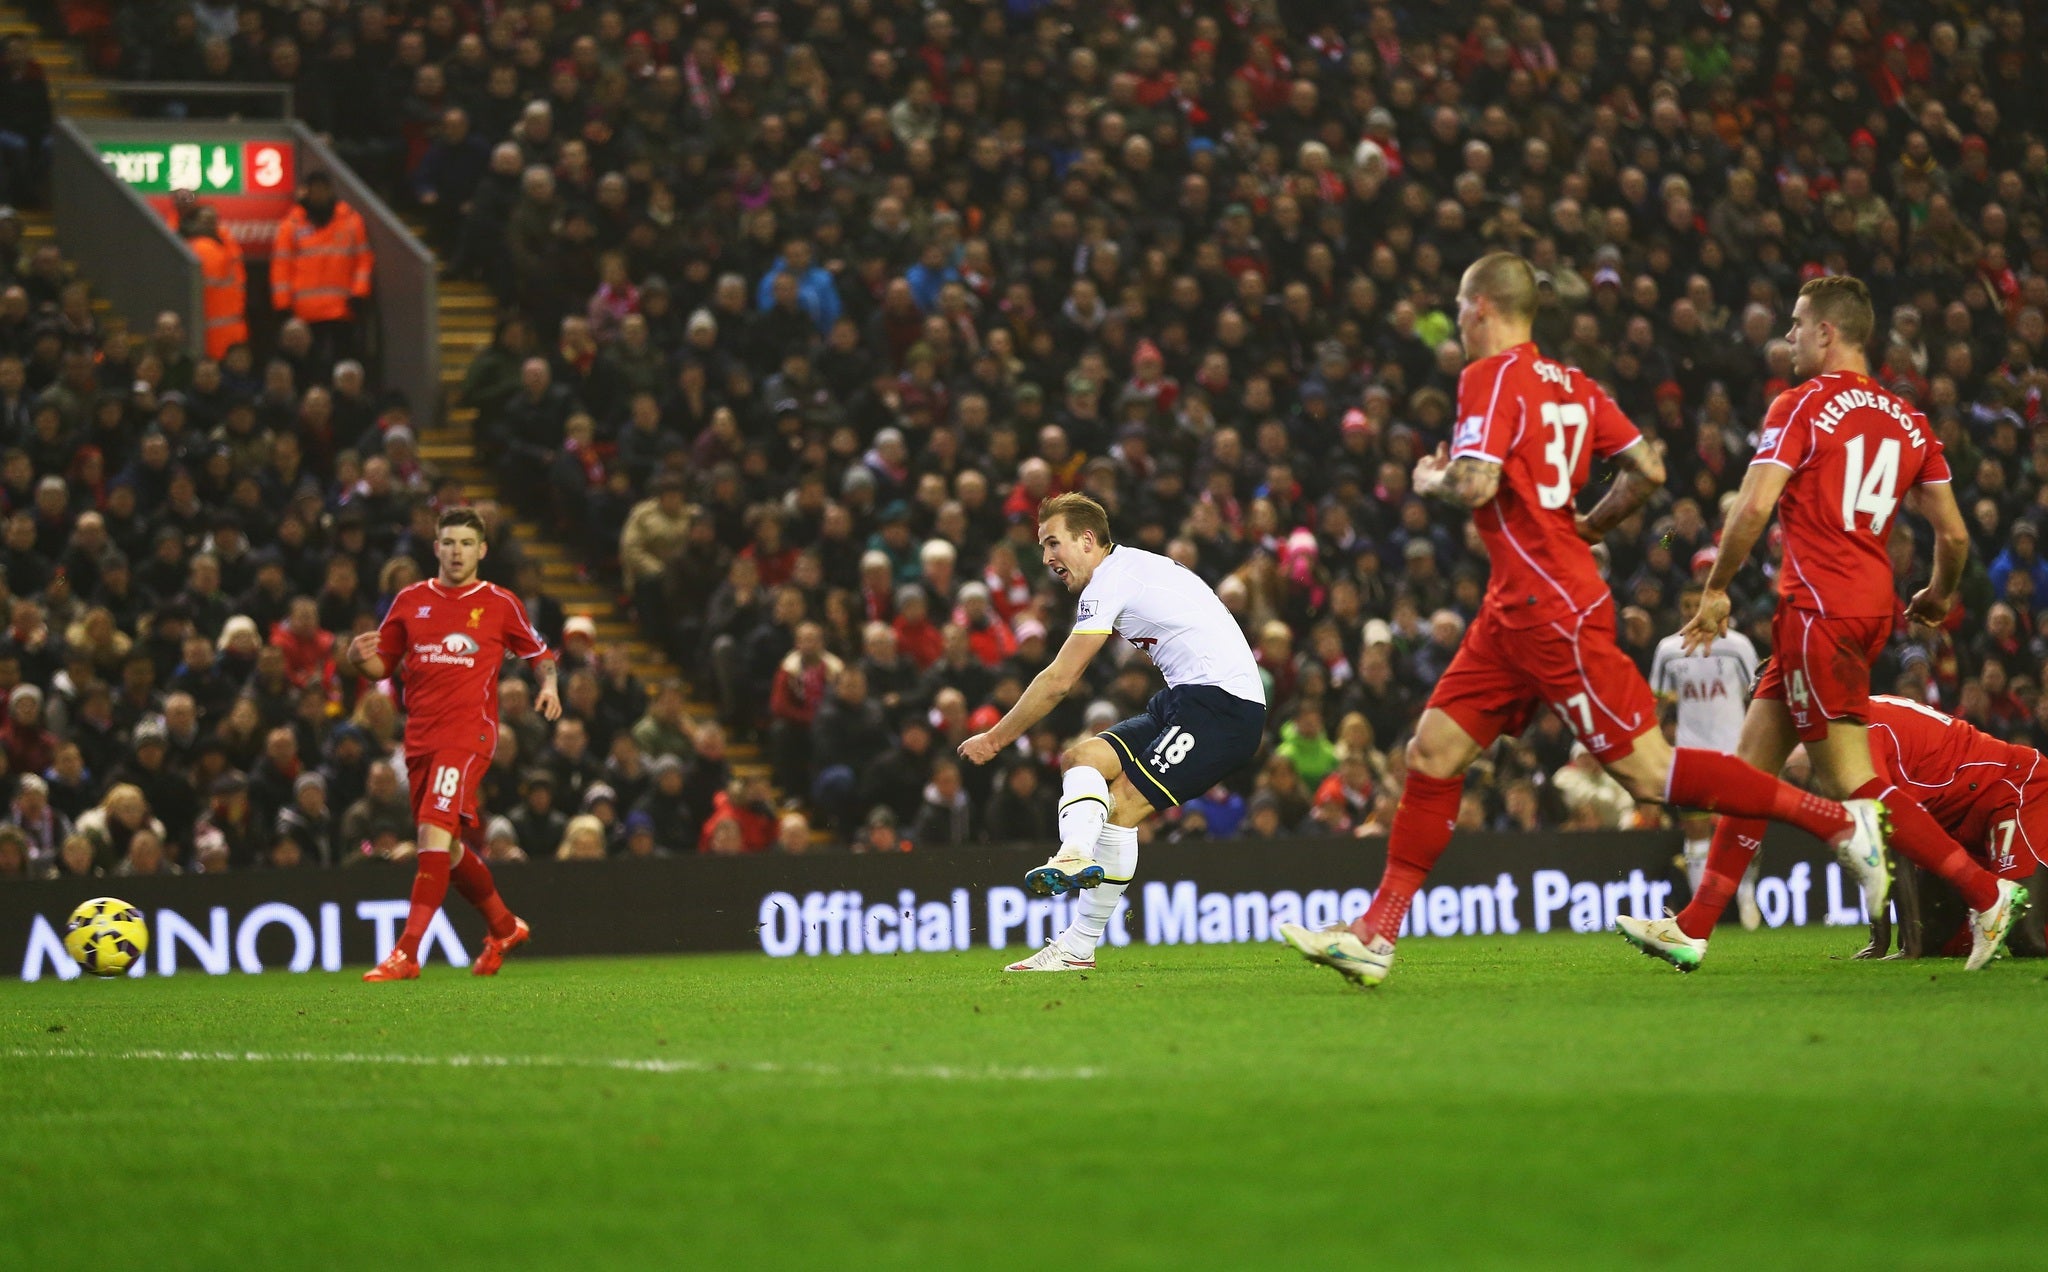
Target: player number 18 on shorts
(1172, 747)
(447, 784)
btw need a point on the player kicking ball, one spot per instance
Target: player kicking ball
(1837, 454)
(1528, 429)
(447, 637)
(1205, 725)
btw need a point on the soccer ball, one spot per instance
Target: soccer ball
(106, 936)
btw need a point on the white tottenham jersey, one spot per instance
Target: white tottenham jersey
(1166, 610)
(1712, 688)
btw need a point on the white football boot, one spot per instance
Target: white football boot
(1339, 949)
(1661, 938)
(1053, 958)
(1861, 849)
(1989, 927)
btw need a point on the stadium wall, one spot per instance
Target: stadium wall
(1202, 893)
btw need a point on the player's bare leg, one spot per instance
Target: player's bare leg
(1112, 857)
(1747, 794)
(1438, 756)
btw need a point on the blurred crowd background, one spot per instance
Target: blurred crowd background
(806, 306)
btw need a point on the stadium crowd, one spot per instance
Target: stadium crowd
(808, 305)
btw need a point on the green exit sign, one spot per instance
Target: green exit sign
(162, 167)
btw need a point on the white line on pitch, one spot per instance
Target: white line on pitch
(934, 1072)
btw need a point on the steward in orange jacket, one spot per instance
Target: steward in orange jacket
(322, 260)
(223, 282)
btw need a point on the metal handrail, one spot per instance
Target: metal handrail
(286, 95)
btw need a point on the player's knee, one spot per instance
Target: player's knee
(1093, 753)
(1127, 804)
(1432, 759)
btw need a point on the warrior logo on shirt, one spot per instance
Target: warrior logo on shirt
(426, 611)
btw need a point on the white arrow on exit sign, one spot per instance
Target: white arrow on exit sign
(220, 172)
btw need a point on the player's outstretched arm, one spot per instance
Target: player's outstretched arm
(362, 651)
(1747, 517)
(1044, 693)
(1469, 482)
(1640, 475)
(1937, 502)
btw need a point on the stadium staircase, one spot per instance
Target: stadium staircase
(467, 318)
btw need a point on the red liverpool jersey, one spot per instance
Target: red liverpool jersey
(1543, 423)
(447, 648)
(1854, 450)
(1972, 783)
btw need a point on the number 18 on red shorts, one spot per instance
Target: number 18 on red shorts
(444, 787)
(1820, 667)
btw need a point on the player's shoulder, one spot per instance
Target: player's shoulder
(1789, 402)
(1484, 372)
(412, 593)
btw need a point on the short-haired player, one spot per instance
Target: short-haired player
(1527, 433)
(445, 639)
(1204, 726)
(1837, 456)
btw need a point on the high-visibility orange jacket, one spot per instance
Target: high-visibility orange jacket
(316, 270)
(225, 291)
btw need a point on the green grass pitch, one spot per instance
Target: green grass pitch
(1538, 1101)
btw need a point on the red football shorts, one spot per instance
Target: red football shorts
(444, 787)
(1500, 677)
(1820, 668)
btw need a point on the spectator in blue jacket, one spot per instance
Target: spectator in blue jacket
(2021, 554)
(815, 289)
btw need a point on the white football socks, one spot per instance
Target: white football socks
(1084, 807)
(1116, 851)
(1696, 861)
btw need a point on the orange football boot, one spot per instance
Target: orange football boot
(397, 966)
(492, 955)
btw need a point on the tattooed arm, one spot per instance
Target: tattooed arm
(1469, 482)
(1641, 475)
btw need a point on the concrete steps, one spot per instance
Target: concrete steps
(468, 316)
(468, 319)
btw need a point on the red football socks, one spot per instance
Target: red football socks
(472, 878)
(1422, 828)
(1736, 840)
(428, 887)
(1921, 840)
(1723, 784)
